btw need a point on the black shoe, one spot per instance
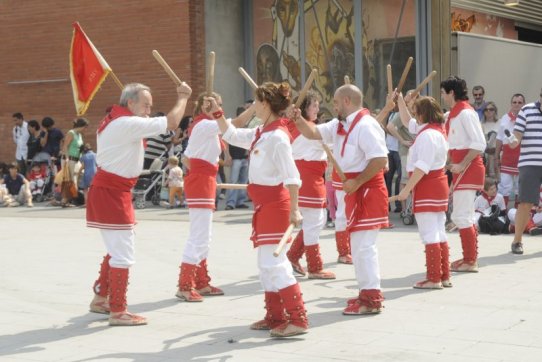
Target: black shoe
(242, 206)
(517, 248)
(229, 207)
(535, 231)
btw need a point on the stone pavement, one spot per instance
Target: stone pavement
(49, 260)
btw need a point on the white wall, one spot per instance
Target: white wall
(503, 67)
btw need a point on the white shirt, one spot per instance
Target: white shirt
(481, 204)
(204, 143)
(308, 150)
(20, 138)
(466, 132)
(120, 144)
(366, 141)
(505, 123)
(271, 162)
(429, 151)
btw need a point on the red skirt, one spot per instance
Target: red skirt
(312, 193)
(367, 208)
(431, 192)
(109, 203)
(200, 184)
(271, 213)
(473, 176)
(510, 159)
(336, 181)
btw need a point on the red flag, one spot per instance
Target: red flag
(88, 69)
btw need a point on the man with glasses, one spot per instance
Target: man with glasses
(528, 134)
(508, 160)
(479, 104)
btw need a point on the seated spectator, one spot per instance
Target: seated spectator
(36, 177)
(17, 188)
(534, 226)
(488, 197)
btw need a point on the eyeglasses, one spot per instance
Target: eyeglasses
(490, 109)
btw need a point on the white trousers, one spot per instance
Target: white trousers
(365, 258)
(431, 226)
(313, 221)
(340, 216)
(199, 238)
(276, 273)
(463, 208)
(120, 245)
(508, 184)
(537, 218)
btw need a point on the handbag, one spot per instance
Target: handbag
(69, 190)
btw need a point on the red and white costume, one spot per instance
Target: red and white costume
(483, 203)
(203, 151)
(109, 207)
(310, 159)
(465, 133)
(509, 158)
(355, 143)
(271, 168)
(536, 215)
(428, 153)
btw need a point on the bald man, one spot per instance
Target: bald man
(360, 150)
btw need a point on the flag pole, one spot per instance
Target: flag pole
(119, 83)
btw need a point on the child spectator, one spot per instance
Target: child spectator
(17, 188)
(37, 179)
(88, 166)
(488, 197)
(174, 182)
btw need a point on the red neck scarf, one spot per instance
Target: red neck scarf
(459, 106)
(116, 112)
(435, 126)
(281, 123)
(512, 116)
(489, 199)
(197, 119)
(341, 131)
(294, 132)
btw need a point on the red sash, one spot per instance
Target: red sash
(473, 176)
(510, 156)
(109, 203)
(271, 213)
(294, 132)
(363, 112)
(431, 192)
(367, 208)
(200, 184)
(312, 193)
(116, 112)
(336, 180)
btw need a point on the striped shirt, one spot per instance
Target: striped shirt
(156, 146)
(529, 123)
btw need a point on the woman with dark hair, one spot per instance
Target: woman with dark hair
(466, 142)
(273, 187)
(72, 148)
(310, 159)
(429, 185)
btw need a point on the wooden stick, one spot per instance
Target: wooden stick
(166, 67)
(232, 186)
(404, 75)
(117, 80)
(211, 75)
(306, 87)
(245, 75)
(283, 240)
(333, 161)
(424, 83)
(346, 79)
(390, 79)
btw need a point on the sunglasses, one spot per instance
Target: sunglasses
(490, 109)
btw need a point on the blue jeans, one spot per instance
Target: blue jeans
(239, 175)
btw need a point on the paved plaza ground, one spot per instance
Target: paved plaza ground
(49, 260)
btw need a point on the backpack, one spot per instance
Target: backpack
(491, 224)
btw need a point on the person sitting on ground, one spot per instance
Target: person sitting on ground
(487, 198)
(17, 188)
(534, 225)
